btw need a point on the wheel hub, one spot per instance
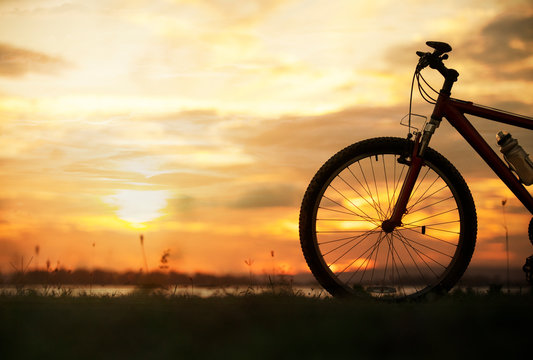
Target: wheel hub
(388, 226)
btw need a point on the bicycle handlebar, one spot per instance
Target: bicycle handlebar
(435, 61)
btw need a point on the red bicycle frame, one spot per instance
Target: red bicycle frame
(453, 110)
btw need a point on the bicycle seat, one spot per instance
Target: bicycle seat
(440, 47)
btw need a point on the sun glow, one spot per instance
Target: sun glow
(358, 264)
(202, 123)
(138, 207)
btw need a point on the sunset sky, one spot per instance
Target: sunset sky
(199, 123)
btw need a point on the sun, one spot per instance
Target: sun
(138, 207)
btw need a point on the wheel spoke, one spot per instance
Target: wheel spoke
(387, 259)
(368, 190)
(350, 249)
(374, 206)
(430, 205)
(355, 192)
(367, 259)
(337, 240)
(355, 206)
(412, 259)
(429, 236)
(376, 187)
(420, 180)
(400, 259)
(429, 248)
(432, 216)
(364, 236)
(338, 211)
(360, 256)
(375, 221)
(419, 254)
(425, 191)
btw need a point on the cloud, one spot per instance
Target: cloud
(499, 50)
(21, 7)
(16, 62)
(269, 196)
(508, 38)
(245, 13)
(502, 46)
(299, 141)
(186, 179)
(182, 204)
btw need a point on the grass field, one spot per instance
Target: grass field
(266, 326)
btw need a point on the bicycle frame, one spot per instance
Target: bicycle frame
(352, 242)
(453, 110)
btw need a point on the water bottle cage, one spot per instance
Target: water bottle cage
(513, 170)
(517, 159)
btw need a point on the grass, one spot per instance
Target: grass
(263, 326)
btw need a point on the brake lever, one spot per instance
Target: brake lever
(429, 59)
(423, 61)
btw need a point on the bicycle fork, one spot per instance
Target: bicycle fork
(420, 144)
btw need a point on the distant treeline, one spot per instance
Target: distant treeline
(476, 276)
(107, 277)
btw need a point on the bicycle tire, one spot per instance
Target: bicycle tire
(423, 256)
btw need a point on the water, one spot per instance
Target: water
(115, 291)
(203, 292)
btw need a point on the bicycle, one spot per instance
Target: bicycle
(390, 217)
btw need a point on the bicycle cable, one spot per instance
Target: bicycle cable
(411, 103)
(425, 95)
(425, 82)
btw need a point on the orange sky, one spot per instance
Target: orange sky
(200, 123)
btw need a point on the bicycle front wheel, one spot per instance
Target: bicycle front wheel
(351, 196)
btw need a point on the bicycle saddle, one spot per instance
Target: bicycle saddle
(440, 47)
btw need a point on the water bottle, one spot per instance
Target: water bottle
(516, 157)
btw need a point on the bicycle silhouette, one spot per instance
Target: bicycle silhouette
(392, 218)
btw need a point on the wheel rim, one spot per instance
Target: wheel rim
(362, 258)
